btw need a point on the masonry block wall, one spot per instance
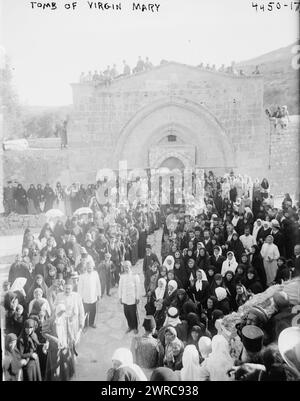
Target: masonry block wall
(101, 113)
(221, 115)
(284, 169)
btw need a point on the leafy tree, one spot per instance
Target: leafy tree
(12, 114)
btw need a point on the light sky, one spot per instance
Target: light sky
(49, 49)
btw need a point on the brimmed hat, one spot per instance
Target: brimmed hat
(252, 338)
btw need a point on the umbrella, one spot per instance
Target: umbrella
(83, 210)
(53, 213)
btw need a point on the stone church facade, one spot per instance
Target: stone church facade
(174, 116)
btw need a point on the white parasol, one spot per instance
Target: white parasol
(54, 213)
(83, 210)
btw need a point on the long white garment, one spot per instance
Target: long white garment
(74, 310)
(219, 361)
(129, 288)
(247, 241)
(191, 370)
(270, 251)
(89, 287)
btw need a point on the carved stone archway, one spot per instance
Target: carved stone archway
(197, 127)
(185, 153)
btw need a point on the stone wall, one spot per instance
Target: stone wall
(218, 118)
(101, 114)
(284, 167)
(16, 223)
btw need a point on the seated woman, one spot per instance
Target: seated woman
(123, 368)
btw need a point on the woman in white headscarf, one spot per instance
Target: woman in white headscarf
(124, 369)
(257, 226)
(219, 361)
(270, 254)
(191, 370)
(158, 297)
(169, 262)
(229, 264)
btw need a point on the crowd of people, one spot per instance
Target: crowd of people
(209, 270)
(210, 266)
(229, 189)
(106, 76)
(280, 116)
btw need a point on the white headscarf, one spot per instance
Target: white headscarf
(18, 285)
(229, 264)
(191, 367)
(124, 355)
(256, 228)
(204, 278)
(172, 321)
(169, 262)
(219, 361)
(174, 284)
(204, 345)
(160, 292)
(221, 293)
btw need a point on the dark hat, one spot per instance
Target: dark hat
(149, 323)
(252, 338)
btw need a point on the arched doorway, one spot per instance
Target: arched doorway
(172, 184)
(172, 163)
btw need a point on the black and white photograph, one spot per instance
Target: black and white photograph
(150, 192)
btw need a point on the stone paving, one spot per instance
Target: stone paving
(97, 345)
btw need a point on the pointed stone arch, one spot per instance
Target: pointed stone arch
(197, 126)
